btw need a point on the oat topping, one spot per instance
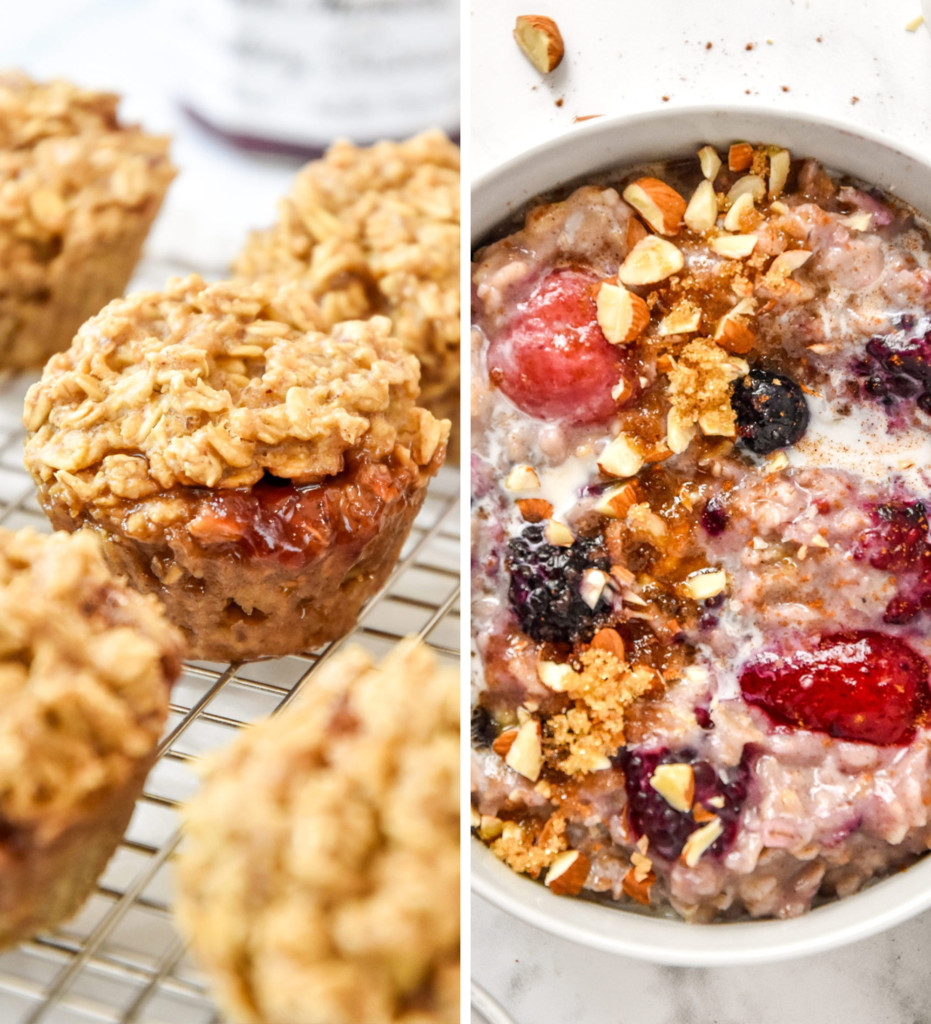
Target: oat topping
(85, 669)
(335, 898)
(76, 189)
(214, 385)
(376, 230)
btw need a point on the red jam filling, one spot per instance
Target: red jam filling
(274, 519)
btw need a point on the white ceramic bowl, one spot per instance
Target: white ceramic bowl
(619, 143)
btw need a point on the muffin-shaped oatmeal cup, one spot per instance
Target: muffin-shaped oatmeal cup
(336, 899)
(258, 474)
(86, 665)
(78, 194)
(375, 229)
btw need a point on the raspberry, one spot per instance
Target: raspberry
(899, 542)
(667, 829)
(544, 589)
(552, 360)
(856, 685)
(771, 411)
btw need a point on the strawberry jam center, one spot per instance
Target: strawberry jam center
(275, 519)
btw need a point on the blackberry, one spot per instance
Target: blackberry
(771, 411)
(714, 516)
(720, 791)
(484, 728)
(545, 587)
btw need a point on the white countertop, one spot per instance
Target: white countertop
(848, 59)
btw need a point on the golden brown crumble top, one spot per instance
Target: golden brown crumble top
(334, 898)
(85, 669)
(213, 385)
(376, 230)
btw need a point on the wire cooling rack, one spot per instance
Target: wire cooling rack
(120, 960)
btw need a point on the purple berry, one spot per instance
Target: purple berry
(771, 411)
(719, 791)
(545, 587)
(898, 366)
(714, 516)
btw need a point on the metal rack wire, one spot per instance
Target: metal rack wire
(120, 961)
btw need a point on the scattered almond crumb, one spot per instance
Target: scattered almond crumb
(785, 88)
(854, 100)
(585, 117)
(914, 24)
(527, 848)
(750, 46)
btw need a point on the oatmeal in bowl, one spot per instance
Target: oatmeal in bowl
(701, 549)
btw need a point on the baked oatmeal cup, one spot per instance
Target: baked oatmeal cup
(702, 558)
(257, 474)
(78, 194)
(336, 899)
(86, 666)
(375, 230)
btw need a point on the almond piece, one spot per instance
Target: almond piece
(568, 873)
(502, 742)
(535, 510)
(558, 533)
(679, 432)
(683, 318)
(555, 675)
(734, 247)
(636, 230)
(734, 335)
(490, 827)
(615, 501)
(739, 156)
(700, 840)
(651, 260)
(609, 640)
(859, 221)
(522, 478)
(525, 755)
(783, 266)
(622, 315)
(703, 584)
(621, 458)
(709, 161)
(779, 162)
(592, 586)
(751, 184)
(675, 783)
(540, 41)
(702, 212)
(659, 204)
(742, 216)
(638, 890)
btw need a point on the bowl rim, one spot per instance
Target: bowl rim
(882, 904)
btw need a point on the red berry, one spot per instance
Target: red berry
(552, 359)
(855, 685)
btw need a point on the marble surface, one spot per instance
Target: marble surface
(854, 61)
